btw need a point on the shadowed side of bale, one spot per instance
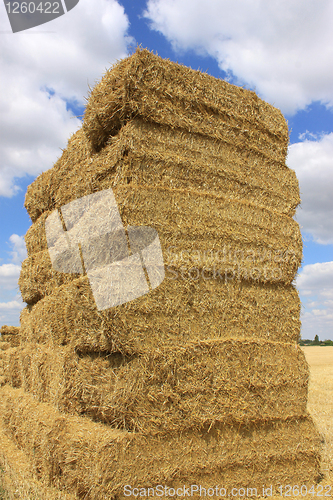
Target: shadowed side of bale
(39, 427)
(176, 312)
(190, 387)
(35, 237)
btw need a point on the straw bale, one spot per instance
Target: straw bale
(9, 330)
(197, 223)
(158, 90)
(38, 278)
(35, 238)
(193, 386)
(17, 476)
(201, 223)
(93, 461)
(155, 155)
(175, 312)
(13, 340)
(38, 197)
(4, 345)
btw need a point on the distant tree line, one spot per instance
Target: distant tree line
(316, 341)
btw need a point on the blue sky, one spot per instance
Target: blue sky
(280, 50)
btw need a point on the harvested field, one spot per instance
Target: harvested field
(320, 401)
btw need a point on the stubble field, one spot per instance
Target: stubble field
(320, 401)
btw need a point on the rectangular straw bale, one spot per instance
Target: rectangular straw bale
(93, 461)
(9, 330)
(155, 155)
(38, 278)
(191, 387)
(17, 476)
(40, 196)
(175, 312)
(35, 237)
(10, 334)
(200, 223)
(207, 222)
(164, 92)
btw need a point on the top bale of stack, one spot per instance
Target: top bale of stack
(194, 131)
(158, 90)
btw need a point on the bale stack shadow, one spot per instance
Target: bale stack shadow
(200, 381)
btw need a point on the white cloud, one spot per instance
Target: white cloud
(9, 274)
(40, 72)
(283, 48)
(313, 164)
(14, 304)
(19, 252)
(10, 297)
(315, 285)
(10, 311)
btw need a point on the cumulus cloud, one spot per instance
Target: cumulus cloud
(19, 252)
(13, 304)
(315, 285)
(9, 274)
(43, 74)
(10, 311)
(281, 48)
(313, 164)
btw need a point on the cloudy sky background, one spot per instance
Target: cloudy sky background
(282, 49)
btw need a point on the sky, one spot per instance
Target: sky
(281, 49)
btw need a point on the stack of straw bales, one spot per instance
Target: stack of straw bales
(200, 381)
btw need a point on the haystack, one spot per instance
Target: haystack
(200, 380)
